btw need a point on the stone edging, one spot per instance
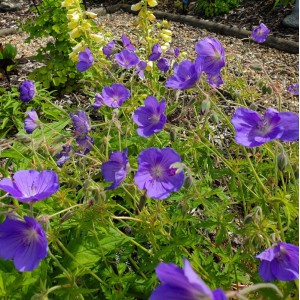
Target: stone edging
(272, 42)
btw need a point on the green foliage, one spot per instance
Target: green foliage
(58, 72)
(216, 7)
(283, 2)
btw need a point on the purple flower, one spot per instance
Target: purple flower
(27, 90)
(280, 262)
(81, 122)
(115, 169)
(211, 55)
(176, 52)
(115, 95)
(63, 155)
(215, 80)
(127, 44)
(156, 174)
(182, 284)
(108, 48)
(24, 242)
(150, 118)
(30, 123)
(31, 185)
(98, 101)
(186, 74)
(85, 60)
(294, 89)
(140, 67)
(163, 64)
(156, 52)
(260, 33)
(252, 130)
(85, 144)
(127, 59)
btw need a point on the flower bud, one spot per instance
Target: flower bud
(165, 23)
(205, 106)
(90, 15)
(152, 3)
(165, 37)
(188, 181)
(282, 160)
(142, 202)
(172, 135)
(167, 32)
(137, 6)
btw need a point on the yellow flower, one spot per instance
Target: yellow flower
(149, 66)
(165, 47)
(73, 56)
(167, 32)
(73, 17)
(165, 23)
(67, 3)
(72, 24)
(152, 3)
(165, 37)
(86, 25)
(97, 37)
(75, 33)
(150, 16)
(90, 14)
(78, 47)
(137, 6)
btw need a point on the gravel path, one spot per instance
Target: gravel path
(281, 67)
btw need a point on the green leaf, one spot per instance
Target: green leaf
(9, 51)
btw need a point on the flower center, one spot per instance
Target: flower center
(265, 127)
(155, 118)
(157, 172)
(30, 236)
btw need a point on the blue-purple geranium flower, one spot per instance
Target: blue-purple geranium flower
(156, 174)
(279, 263)
(115, 170)
(156, 52)
(294, 89)
(115, 95)
(260, 33)
(31, 185)
(27, 90)
(127, 59)
(81, 122)
(252, 130)
(150, 118)
(182, 284)
(85, 60)
(63, 155)
(98, 101)
(186, 74)
(215, 80)
(30, 122)
(108, 48)
(127, 44)
(85, 144)
(140, 67)
(163, 64)
(23, 242)
(211, 55)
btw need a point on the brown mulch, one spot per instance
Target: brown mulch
(247, 16)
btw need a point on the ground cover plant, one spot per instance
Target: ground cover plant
(155, 191)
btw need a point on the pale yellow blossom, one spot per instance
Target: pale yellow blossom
(152, 3)
(137, 6)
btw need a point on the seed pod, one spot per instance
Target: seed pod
(188, 181)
